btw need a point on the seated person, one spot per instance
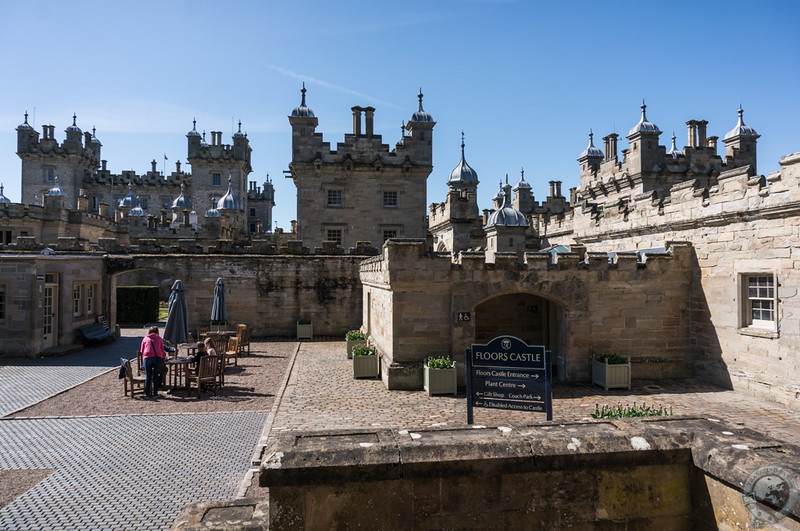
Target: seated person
(210, 350)
(201, 351)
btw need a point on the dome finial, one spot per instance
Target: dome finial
(74, 117)
(420, 100)
(94, 130)
(194, 124)
(462, 143)
(303, 92)
(522, 174)
(240, 126)
(402, 129)
(26, 117)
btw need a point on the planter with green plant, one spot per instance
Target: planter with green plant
(353, 339)
(305, 329)
(611, 371)
(365, 361)
(440, 376)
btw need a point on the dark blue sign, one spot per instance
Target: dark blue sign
(507, 373)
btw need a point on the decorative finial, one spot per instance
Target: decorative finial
(74, 117)
(303, 92)
(741, 114)
(403, 129)
(182, 187)
(94, 130)
(194, 124)
(240, 126)
(229, 178)
(522, 174)
(204, 135)
(26, 117)
(506, 179)
(1, 188)
(420, 99)
(462, 142)
(591, 137)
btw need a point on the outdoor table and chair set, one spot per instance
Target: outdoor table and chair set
(209, 372)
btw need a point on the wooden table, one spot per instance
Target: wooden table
(178, 368)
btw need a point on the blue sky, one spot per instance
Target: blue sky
(524, 80)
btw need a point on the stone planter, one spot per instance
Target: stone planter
(305, 330)
(353, 343)
(440, 381)
(365, 366)
(611, 376)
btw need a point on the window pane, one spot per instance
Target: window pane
(334, 198)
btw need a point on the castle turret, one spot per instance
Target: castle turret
(27, 136)
(74, 141)
(590, 158)
(740, 144)
(193, 140)
(304, 124)
(420, 133)
(523, 195)
(505, 227)
(643, 153)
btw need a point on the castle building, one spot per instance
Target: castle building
(361, 191)
(81, 172)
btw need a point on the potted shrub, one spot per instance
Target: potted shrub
(440, 376)
(305, 329)
(611, 371)
(365, 361)
(354, 338)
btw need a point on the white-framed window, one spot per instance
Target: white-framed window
(49, 175)
(759, 302)
(90, 299)
(390, 199)
(335, 199)
(389, 233)
(2, 302)
(77, 300)
(216, 179)
(334, 235)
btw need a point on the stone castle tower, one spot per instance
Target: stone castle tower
(361, 191)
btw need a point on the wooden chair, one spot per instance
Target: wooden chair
(206, 377)
(139, 362)
(202, 332)
(220, 344)
(221, 372)
(231, 352)
(244, 338)
(135, 383)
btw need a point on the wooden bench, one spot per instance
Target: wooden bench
(95, 332)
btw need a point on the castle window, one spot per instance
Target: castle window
(252, 213)
(216, 179)
(335, 199)
(49, 175)
(759, 303)
(143, 203)
(511, 242)
(252, 228)
(389, 233)
(6, 236)
(77, 299)
(90, 299)
(2, 302)
(334, 235)
(390, 199)
(94, 203)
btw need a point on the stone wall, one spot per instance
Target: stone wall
(743, 224)
(627, 307)
(658, 473)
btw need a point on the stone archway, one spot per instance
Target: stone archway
(532, 318)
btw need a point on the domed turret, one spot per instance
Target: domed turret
(25, 126)
(94, 139)
(56, 190)
(3, 198)
(674, 151)
(591, 150)
(182, 202)
(193, 132)
(463, 172)
(239, 134)
(137, 211)
(213, 212)
(303, 110)
(73, 128)
(741, 129)
(130, 200)
(203, 142)
(522, 184)
(644, 126)
(505, 215)
(229, 201)
(421, 115)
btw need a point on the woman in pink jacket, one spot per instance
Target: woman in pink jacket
(153, 355)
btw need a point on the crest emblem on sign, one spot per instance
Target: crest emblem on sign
(506, 344)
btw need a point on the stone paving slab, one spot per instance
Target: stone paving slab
(124, 472)
(27, 381)
(322, 394)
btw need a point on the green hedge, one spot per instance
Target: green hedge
(137, 305)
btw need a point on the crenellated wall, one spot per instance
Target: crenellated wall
(412, 302)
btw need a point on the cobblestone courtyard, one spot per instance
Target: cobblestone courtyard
(137, 471)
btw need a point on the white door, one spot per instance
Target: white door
(50, 329)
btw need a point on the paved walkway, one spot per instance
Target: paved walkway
(124, 472)
(322, 394)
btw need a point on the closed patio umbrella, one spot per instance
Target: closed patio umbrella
(177, 328)
(218, 315)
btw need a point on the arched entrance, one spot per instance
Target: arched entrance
(534, 319)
